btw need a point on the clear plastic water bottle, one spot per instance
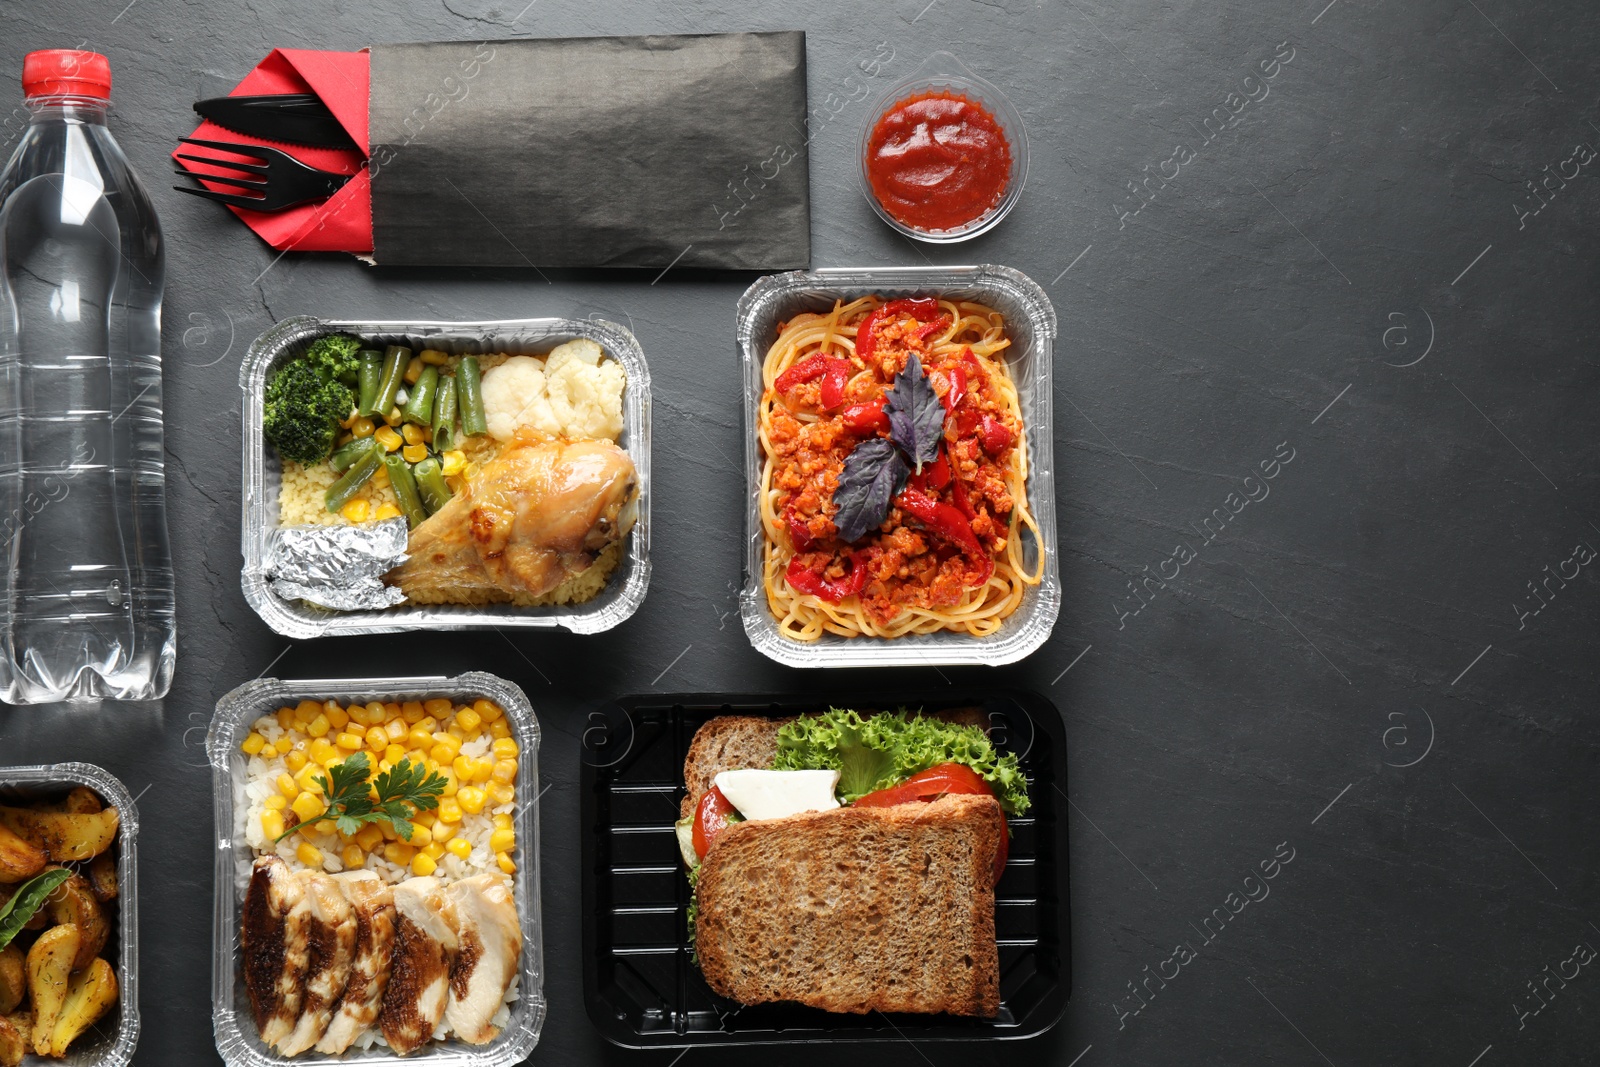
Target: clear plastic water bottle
(86, 595)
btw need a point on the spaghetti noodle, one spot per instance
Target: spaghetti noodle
(950, 552)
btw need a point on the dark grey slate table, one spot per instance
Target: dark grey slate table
(1368, 665)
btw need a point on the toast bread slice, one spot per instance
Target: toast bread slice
(856, 909)
(734, 742)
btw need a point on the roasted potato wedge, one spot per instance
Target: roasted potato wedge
(73, 903)
(13, 1044)
(64, 836)
(82, 801)
(49, 971)
(103, 877)
(13, 978)
(90, 995)
(19, 858)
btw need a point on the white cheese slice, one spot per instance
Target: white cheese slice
(777, 794)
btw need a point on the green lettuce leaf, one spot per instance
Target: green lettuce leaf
(889, 747)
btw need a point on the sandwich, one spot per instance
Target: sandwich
(848, 862)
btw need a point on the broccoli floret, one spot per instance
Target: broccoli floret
(303, 410)
(335, 357)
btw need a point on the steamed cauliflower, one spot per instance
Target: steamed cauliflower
(570, 393)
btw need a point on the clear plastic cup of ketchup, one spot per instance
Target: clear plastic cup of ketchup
(944, 155)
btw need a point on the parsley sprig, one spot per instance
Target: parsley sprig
(395, 796)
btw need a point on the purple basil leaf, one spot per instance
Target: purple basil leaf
(916, 418)
(873, 473)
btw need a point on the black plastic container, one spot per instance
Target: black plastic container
(640, 986)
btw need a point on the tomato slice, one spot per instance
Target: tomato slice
(710, 819)
(931, 784)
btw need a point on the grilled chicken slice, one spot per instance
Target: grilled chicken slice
(333, 945)
(275, 943)
(537, 515)
(373, 903)
(419, 981)
(485, 919)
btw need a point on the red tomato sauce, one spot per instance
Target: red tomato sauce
(937, 161)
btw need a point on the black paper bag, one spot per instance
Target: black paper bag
(592, 152)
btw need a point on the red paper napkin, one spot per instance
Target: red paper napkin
(343, 222)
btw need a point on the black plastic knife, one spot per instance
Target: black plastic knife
(294, 118)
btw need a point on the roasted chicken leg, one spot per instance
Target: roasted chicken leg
(535, 516)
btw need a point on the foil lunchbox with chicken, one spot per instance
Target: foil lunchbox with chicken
(382, 951)
(375, 576)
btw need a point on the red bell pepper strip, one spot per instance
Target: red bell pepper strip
(935, 474)
(865, 419)
(806, 580)
(807, 370)
(942, 519)
(924, 309)
(834, 378)
(957, 377)
(997, 436)
(799, 532)
(710, 819)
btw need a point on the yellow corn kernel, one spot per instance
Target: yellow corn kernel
(394, 416)
(307, 710)
(369, 836)
(276, 802)
(455, 461)
(433, 357)
(456, 732)
(413, 372)
(433, 850)
(421, 836)
(394, 754)
(287, 786)
(419, 738)
(414, 453)
(395, 729)
(411, 433)
(459, 847)
(307, 779)
(471, 799)
(445, 737)
(428, 723)
(449, 810)
(502, 841)
(398, 853)
(417, 757)
(463, 766)
(296, 761)
(488, 709)
(503, 821)
(355, 511)
(380, 480)
(469, 720)
(352, 856)
(272, 824)
(253, 744)
(423, 865)
(499, 729)
(438, 707)
(507, 864)
(391, 710)
(349, 742)
(411, 712)
(319, 726)
(321, 751)
(378, 713)
(377, 738)
(362, 427)
(309, 854)
(500, 793)
(337, 717)
(268, 751)
(505, 748)
(444, 831)
(325, 826)
(386, 511)
(389, 833)
(285, 717)
(452, 784)
(389, 439)
(505, 770)
(308, 806)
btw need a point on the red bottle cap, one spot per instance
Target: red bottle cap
(66, 72)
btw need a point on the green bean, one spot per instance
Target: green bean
(444, 414)
(394, 370)
(370, 375)
(431, 485)
(469, 397)
(346, 455)
(340, 492)
(419, 406)
(405, 489)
